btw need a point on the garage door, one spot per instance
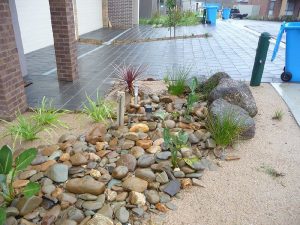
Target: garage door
(35, 24)
(89, 15)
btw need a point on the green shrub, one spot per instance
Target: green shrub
(23, 128)
(278, 115)
(175, 143)
(47, 115)
(225, 128)
(99, 110)
(186, 18)
(9, 171)
(176, 80)
(193, 97)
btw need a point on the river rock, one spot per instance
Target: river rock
(220, 107)
(140, 127)
(133, 136)
(27, 205)
(135, 184)
(127, 160)
(97, 134)
(146, 160)
(127, 144)
(58, 172)
(78, 159)
(106, 210)
(163, 155)
(122, 215)
(235, 92)
(145, 174)
(99, 219)
(152, 196)
(27, 174)
(92, 205)
(162, 178)
(85, 185)
(170, 124)
(137, 198)
(120, 172)
(153, 149)
(75, 214)
(137, 151)
(145, 144)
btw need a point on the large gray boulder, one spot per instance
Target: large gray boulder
(235, 92)
(207, 86)
(220, 107)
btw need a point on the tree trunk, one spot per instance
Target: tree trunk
(174, 32)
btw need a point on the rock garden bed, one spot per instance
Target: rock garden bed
(124, 174)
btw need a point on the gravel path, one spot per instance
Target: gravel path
(239, 193)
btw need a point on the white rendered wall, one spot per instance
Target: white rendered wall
(35, 24)
(89, 15)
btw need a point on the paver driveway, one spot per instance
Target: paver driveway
(230, 49)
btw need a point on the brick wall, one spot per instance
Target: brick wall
(12, 93)
(120, 13)
(63, 27)
(277, 6)
(264, 6)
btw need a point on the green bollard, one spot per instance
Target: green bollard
(260, 59)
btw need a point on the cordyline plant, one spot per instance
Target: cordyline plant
(128, 74)
(8, 172)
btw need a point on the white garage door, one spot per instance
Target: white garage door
(35, 24)
(89, 15)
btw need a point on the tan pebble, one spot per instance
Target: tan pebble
(95, 173)
(20, 183)
(64, 205)
(145, 144)
(44, 166)
(186, 183)
(65, 157)
(140, 127)
(57, 192)
(161, 207)
(158, 142)
(100, 145)
(93, 157)
(64, 146)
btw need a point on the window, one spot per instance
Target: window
(290, 8)
(271, 8)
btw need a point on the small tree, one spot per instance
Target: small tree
(174, 15)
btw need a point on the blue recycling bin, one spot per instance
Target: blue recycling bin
(211, 14)
(292, 51)
(225, 13)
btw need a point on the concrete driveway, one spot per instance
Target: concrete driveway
(231, 48)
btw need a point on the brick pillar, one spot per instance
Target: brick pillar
(12, 93)
(120, 13)
(63, 27)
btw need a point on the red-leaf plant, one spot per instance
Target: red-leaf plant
(128, 74)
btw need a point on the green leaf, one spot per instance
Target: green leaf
(3, 184)
(191, 161)
(2, 216)
(161, 114)
(31, 189)
(193, 84)
(183, 137)
(5, 159)
(25, 158)
(167, 137)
